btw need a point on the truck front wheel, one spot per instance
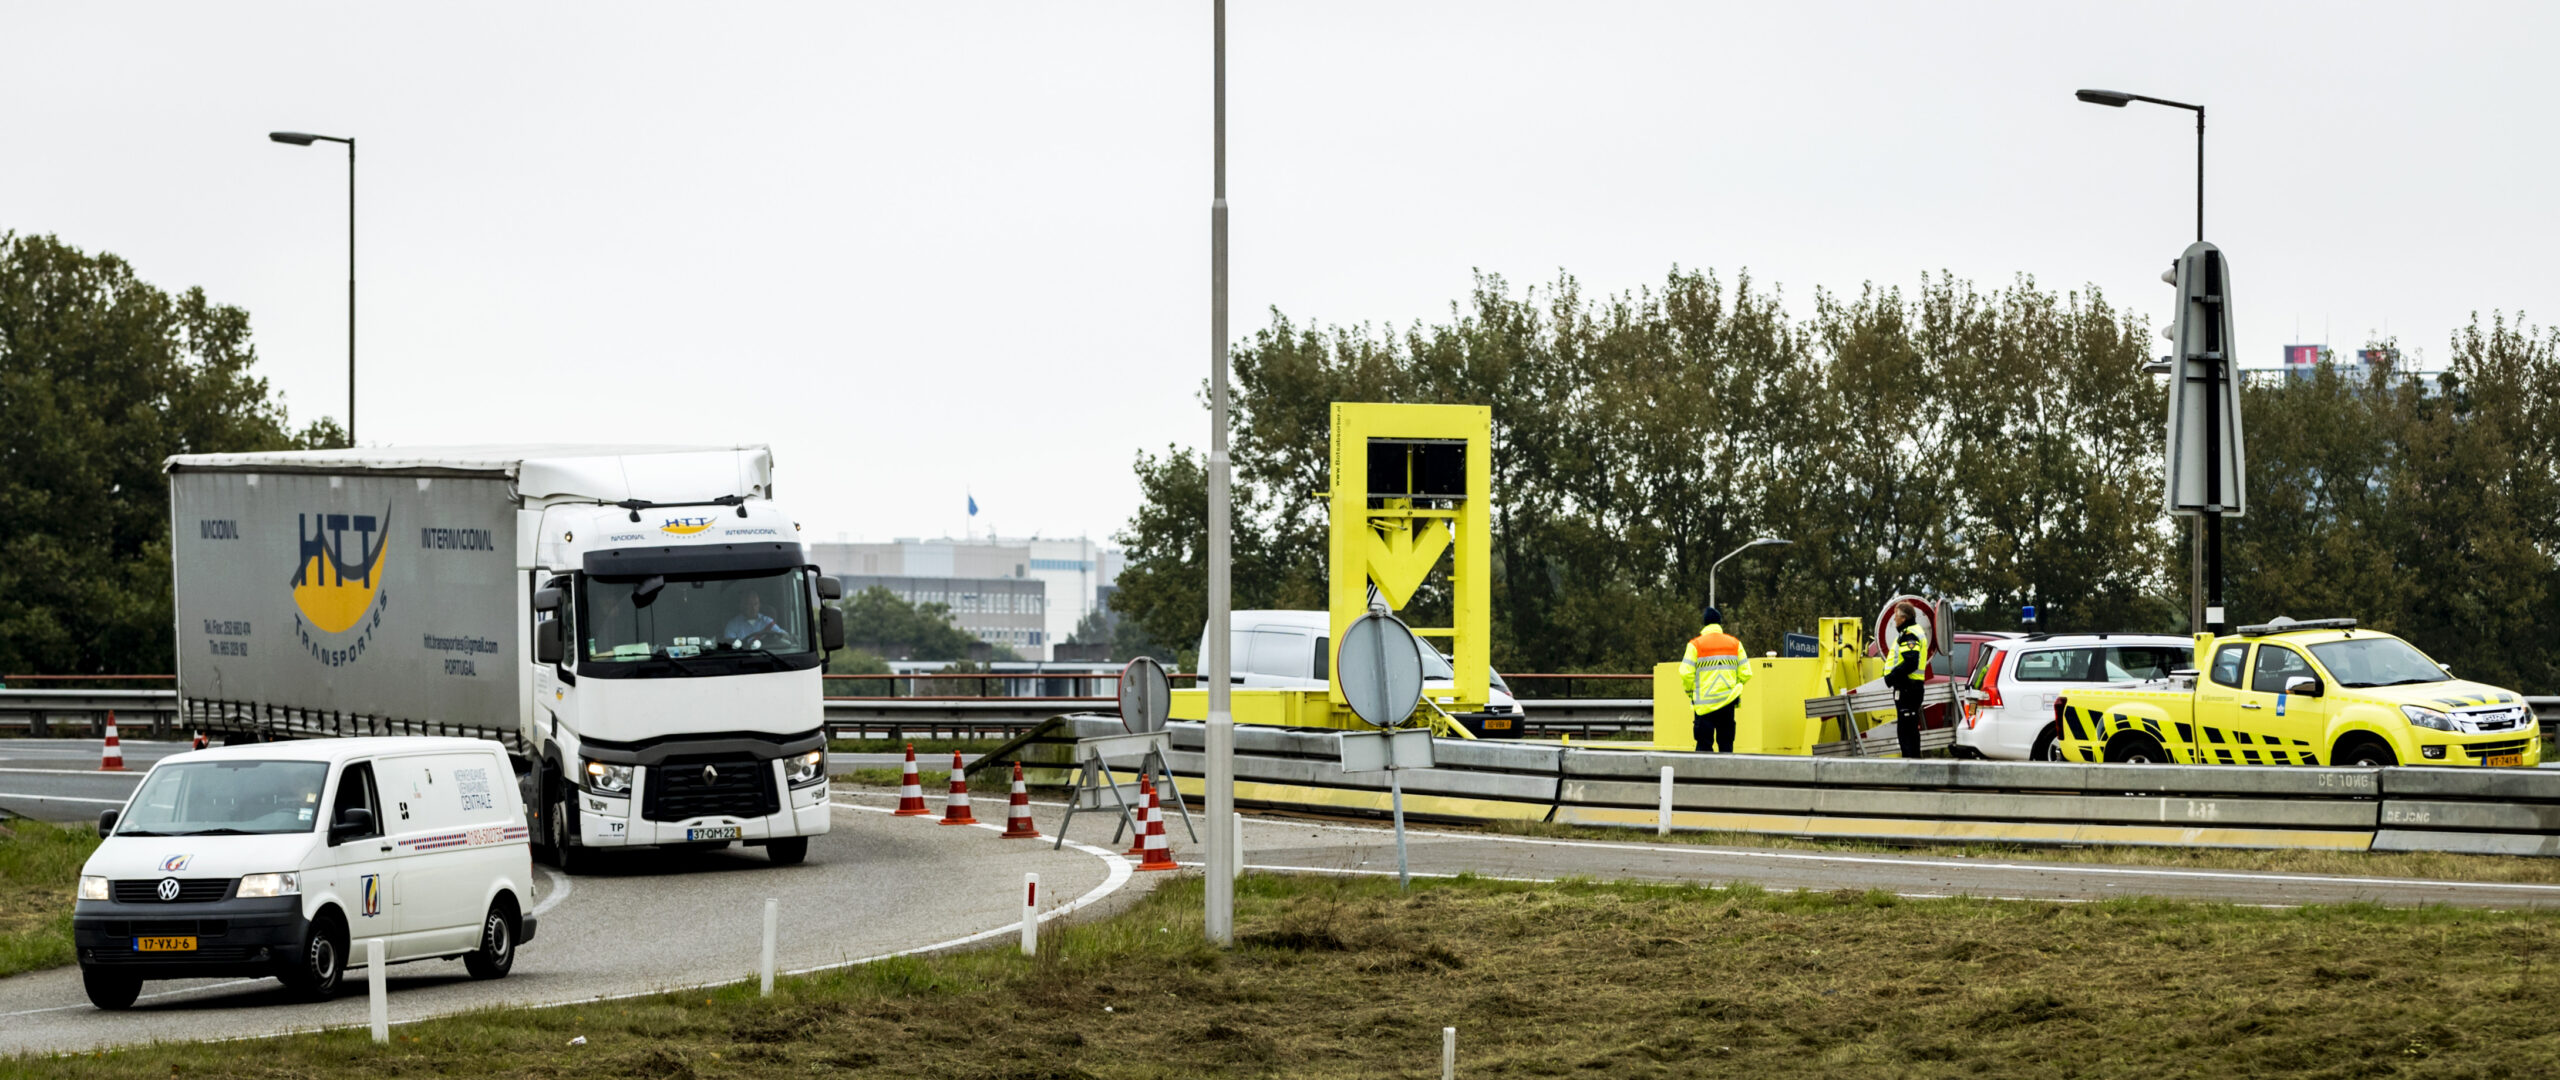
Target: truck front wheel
(787, 850)
(2363, 752)
(2135, 748)
(570, 858)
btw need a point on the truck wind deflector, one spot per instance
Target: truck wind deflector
(637, 505)
(693, 559)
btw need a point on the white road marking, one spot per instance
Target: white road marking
(61, 798)
(102, 774)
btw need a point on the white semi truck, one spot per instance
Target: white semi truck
(639, 625)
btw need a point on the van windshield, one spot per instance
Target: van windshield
(226, 798)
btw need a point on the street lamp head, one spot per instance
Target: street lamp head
(1769, 540)
(294, 137)
(2110, 98)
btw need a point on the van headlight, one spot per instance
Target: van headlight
(93, 887)
(2429, 718)
(257, 885)
(607, 777)
(808, 768)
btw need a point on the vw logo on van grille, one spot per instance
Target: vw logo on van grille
(168, 888)
(710, 776)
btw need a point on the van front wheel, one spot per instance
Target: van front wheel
(109, 990)
(316, 970)
(497, 952)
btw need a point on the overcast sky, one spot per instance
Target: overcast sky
(933, 248)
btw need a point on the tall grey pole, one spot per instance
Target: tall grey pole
(351, 290)
(1221, 734)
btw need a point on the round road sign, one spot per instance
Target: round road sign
(1146, 696)
(1380, 669)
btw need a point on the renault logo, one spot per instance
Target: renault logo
(168, 888)
(710, 776)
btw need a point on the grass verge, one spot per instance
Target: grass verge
(1347, 978)
(2428, 865)
(39, 866)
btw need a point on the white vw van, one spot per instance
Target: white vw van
(283, 858)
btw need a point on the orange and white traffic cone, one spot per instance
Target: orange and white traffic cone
(111, 756)
(1159, 851)
(911, 789)
(1146, 797)
(1017, 822)
(955, 810)
(199, 741)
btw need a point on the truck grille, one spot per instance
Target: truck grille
(731, 785)
(190, 890)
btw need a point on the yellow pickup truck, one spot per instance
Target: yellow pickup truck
(2303, 693)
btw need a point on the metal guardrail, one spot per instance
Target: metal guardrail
(2503, 811)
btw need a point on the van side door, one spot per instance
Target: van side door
(363, 871)
(433, 842)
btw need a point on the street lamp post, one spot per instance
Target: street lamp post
(1218, 738)
(2204, 603)
(297, 138)
(1719, 563)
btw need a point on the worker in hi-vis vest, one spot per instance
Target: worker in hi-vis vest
(1908, 676)
(1712, 669)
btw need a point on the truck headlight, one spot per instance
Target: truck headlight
(93, 887)
(2429, 718)
(257, 885)
(604, 776)
(808, 768)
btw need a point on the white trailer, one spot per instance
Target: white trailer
(638, 624)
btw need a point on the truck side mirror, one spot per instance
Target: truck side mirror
(830, 589)
(546, 643)
(2302, 685)
(106, 824)
(830, 629)
(546, 599)
(353, 822)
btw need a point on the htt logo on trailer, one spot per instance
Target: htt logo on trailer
(339, 599)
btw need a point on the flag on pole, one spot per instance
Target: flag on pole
(973, 506)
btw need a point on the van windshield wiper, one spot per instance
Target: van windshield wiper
(223, 831)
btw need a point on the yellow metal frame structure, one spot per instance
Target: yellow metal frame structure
(1391, 531)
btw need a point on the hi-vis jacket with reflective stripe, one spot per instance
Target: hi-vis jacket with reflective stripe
(1712, 669)
(1910, 657)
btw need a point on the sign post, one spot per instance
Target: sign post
(2206, 471)
(1381, 677)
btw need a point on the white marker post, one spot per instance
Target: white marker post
(1662, 819)
(1448, 1053)
(1238, 863)
(772, 929)
(1030, 914)
(377, 988)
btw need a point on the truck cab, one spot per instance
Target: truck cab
(2290, 692)
(671, 642)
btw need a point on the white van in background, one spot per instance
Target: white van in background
(2008, 713)
(282, 858)
(1293, 650)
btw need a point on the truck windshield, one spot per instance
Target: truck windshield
(226, 798)
(2377, 661)
(704, 624)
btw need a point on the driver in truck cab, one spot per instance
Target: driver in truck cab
(2304, 693)
(750, 619)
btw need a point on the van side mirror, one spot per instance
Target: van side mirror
(830, 589)
(546, 643)
(546, 599)
(106, 824)
(2302, 685)
(830, 629)
(352, 822)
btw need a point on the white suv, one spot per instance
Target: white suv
(1290, 649)
(2009, 711)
